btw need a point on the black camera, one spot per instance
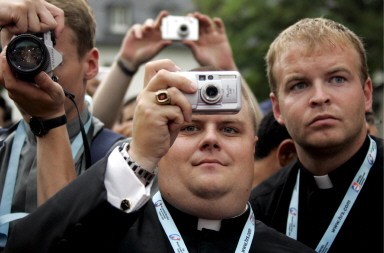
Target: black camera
(29, 54)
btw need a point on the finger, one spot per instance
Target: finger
(179, 99)
(58, 21)
(136, 31)
(33, 21)
(165, 79)
(6, 37)
(159, 18)
(205, 23)
(220, 27)
(151, 69)
(149, 22)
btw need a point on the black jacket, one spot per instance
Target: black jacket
(79, 219)
(363, 228)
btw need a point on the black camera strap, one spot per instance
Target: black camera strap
(83, 134)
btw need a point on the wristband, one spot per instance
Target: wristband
(142, 174)
(124, 69)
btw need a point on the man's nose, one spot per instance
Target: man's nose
(320, 94)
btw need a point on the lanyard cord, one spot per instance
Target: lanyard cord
(176, 240)
(344, 207)
(87, 151)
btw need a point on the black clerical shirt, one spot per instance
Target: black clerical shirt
(362, 230)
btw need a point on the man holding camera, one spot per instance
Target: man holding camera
(68, 57)
(204, 164)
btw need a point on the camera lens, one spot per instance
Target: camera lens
(183, 30)
(211, 93)
(27, 56)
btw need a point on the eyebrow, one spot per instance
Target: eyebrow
(294, 77)
(338, 69)
(299, 77)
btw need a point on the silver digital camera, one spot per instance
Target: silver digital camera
(180, 28)
(218, 91)
(28, 54)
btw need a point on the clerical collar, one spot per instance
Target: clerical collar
(209, 224)
(323, 182)
(214, 224)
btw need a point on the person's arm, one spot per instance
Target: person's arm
(44, 99)
(141, 43)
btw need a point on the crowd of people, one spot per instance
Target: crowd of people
(149, 175)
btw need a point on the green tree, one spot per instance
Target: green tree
(252, 26)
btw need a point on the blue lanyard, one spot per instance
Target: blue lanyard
(10, 180)
(344, 208)
(176, 239)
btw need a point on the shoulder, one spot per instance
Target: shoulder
(274, 182)
(379, 143)
(265, 197)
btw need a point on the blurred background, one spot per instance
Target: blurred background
(251, 26)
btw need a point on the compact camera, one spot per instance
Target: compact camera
(218, 91)
(28, 54)
(180, 28)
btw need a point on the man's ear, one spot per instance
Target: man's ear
(276, 108)
(368, 94)
(92, 64)
(286, 152)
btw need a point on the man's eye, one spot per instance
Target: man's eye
(337, 79)
(230, 130)
(299, 86)
(189, 129)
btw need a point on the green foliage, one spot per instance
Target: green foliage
(253, 24)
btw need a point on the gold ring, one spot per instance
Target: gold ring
(162, 97)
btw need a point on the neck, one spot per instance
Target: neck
(209, 209)
(322, 161)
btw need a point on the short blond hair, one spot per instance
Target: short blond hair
(315, 33)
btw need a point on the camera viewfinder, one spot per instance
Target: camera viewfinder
(201, 77)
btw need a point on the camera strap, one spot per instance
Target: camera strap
(87, 152)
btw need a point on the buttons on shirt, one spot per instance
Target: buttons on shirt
(125, 205)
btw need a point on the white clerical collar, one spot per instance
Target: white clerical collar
(209, 224)
(323, 182)
(214, 224)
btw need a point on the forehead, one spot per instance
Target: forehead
(301, 58)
